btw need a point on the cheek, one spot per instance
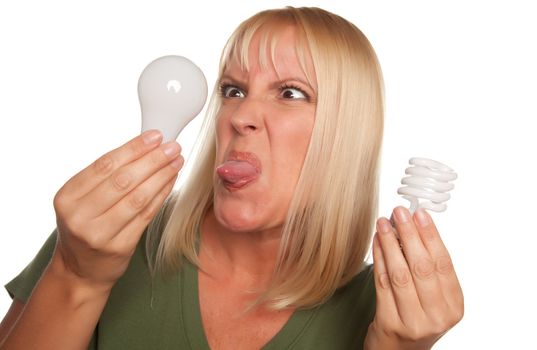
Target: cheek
(220, 125)
(292, 142)
(223, 134)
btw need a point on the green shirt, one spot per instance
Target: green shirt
(165, 314)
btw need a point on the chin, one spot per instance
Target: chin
(240, 215)
(235, 219)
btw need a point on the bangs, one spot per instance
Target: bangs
(270, 29)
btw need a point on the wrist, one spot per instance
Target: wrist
(380, 341)
(75, 288)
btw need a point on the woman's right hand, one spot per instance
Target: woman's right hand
(103, 210)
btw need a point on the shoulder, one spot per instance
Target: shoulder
(22, 285)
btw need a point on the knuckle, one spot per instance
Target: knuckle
(112, 250)
(440, 322)
(148, 212)
(120, 253)
(75, 223)
(384, 281)
(137, 200)
(444, 265)
(400, 278)
(96, 242)
(424, 269)
(423, 327)
(444, 319)
(104, 165)
(121, 181)
(121, 249)
(456, 315)
(439, 329)
(97, 239)
(447, 325)
(414, 332)
(60, 201)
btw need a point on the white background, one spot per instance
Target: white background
(460, 86)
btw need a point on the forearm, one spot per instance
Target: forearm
(374, 341)
(389, 345)
(62, 313)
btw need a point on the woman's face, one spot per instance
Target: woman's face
(263, 131)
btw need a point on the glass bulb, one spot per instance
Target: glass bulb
(172, 91)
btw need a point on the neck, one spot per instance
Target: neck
(245, 257)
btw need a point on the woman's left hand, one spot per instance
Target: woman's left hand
(419, 297)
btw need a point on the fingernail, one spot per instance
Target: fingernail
(177, 163)
(171, 149)
(151, 137)
(423, 217)
(383, 226)
(401, 214)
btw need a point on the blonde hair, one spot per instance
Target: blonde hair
(328, 229)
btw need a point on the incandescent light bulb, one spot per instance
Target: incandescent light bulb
(172, 91)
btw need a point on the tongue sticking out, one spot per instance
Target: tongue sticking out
(237, 173)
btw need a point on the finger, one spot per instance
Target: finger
(125, 179)
(95, 173)
(440, 256)
(136, 202)
(421, 265)
(386, 309)
(403, 288)
(133, 231)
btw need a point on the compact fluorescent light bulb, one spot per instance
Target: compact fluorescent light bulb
(429, 180)
(172, 91)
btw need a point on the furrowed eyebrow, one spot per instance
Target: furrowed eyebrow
(242, 83)
(295, 79)
(233, 80)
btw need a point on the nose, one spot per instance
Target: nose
(248, 117)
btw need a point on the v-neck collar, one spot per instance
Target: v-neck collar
(193, 325)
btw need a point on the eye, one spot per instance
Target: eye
(231, 91)
(293, 92)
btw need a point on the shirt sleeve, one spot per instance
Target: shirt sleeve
(21, 287)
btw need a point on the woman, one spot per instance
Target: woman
(264, 246)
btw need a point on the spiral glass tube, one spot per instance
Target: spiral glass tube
(428, 180)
